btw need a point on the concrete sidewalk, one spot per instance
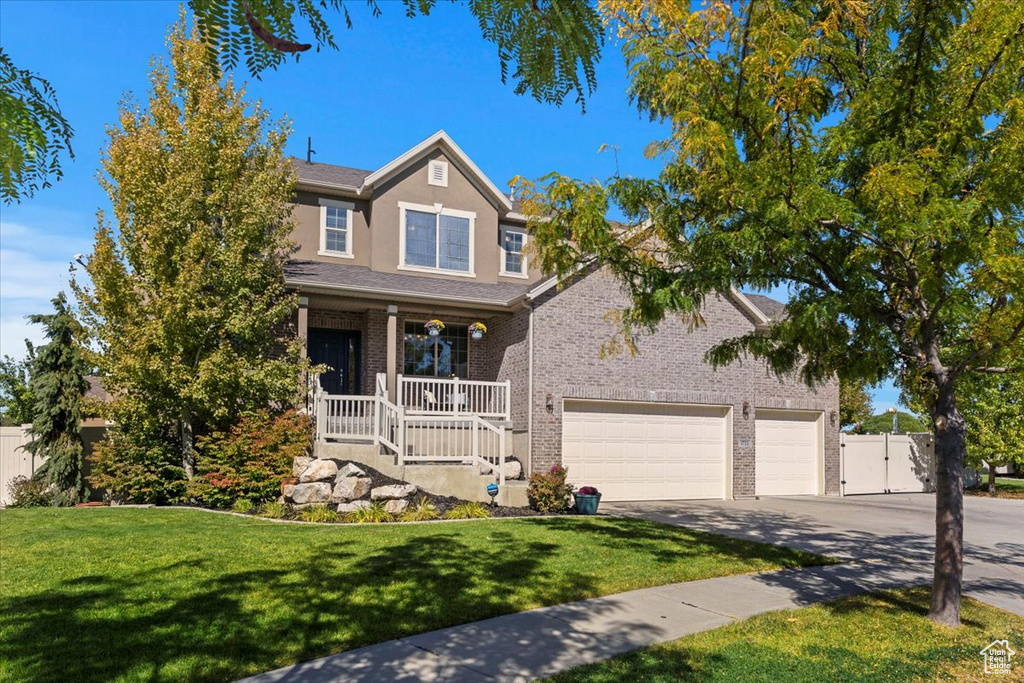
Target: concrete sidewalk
(542, 642)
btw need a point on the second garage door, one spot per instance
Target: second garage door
(646, 451)
(787, 452)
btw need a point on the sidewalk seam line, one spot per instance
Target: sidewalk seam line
(446, 658)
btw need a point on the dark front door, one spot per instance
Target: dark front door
(340, 352)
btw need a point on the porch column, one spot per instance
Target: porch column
(303, 322)
(392, 349)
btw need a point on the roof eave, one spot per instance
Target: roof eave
(398, 295)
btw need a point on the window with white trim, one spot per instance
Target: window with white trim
(437, 173)
(513, 261)
(436, 238)
(336, 227)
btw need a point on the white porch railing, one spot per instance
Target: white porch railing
(425, 431)
(346, 416)
(456, 397)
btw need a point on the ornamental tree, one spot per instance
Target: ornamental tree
(993, 406)
(866, 155)
(58, 387)
(187, 302)
(854, 402)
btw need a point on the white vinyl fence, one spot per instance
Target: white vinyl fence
(14, 459)
(887, 463)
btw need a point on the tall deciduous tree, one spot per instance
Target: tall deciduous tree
(15, 395)
(993, 407)
(58, 387)
(854, 402)
(868, 155)
(188, 291)
(33, 132)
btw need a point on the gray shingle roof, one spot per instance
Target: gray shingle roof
(344, 275)
(772, 309)
(329, 173)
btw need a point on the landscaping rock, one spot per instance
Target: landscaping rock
(350, 488)
(286, 491)
(350, 470)
(315, 492)
(513, 469)
(344, 508)
(319, 470)
(300, 464)
(393, 492)
(396, 507)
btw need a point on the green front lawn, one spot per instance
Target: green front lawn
(1006, 487)
(173, 595)
(871, 638)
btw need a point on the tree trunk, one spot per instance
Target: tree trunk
(991, 478)
(950, 445)
(188, 453)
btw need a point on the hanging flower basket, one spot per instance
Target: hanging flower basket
(477, 330)
(433, 327)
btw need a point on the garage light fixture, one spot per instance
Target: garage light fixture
(746, 410)
(549, 403)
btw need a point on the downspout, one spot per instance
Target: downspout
(529, 389)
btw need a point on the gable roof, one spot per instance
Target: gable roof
(443, 140)
(770, 308)
(361, 182)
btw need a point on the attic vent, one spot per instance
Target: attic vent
(437, 173)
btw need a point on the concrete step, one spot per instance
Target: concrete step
(342, 451)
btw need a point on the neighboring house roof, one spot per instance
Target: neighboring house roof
(96, 390)
(362, 280)
(772, 309)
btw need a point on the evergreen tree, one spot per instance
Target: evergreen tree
(188, 296)
(58, 386)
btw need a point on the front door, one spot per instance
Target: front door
(341, 353)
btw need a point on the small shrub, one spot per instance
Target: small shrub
(375, 514)
(274, 510)
(473, 510)
(318, 513)
(29, 493)
(249, 460)
(242, 506)
(422, 511)
(548, 491)
(588, 491)
(138, 468)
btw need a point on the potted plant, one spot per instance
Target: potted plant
(477, 330)
(587, 500)
(433, 327)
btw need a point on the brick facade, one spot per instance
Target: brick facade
(569, 329)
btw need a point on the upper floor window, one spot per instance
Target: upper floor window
(436, 238)
(336, 228)
(513, 261)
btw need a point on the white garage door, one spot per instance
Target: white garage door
(787, 445)
(646, 451)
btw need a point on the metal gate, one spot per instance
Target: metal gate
(887, 463)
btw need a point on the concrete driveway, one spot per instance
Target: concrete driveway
(894, 532)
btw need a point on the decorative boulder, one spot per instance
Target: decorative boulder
(286, 491)
(513, 469)
(319, 470)
(344, 508)
(350, 470)
(350, 488)
(315, 492)
(393, 492)
(396, 507)
(300, 464)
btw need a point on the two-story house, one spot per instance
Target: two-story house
(427, 237)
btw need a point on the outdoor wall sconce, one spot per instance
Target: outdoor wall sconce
(549, 403)
(746, 410)
(832, 418)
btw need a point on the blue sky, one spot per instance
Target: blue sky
(393, 82)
